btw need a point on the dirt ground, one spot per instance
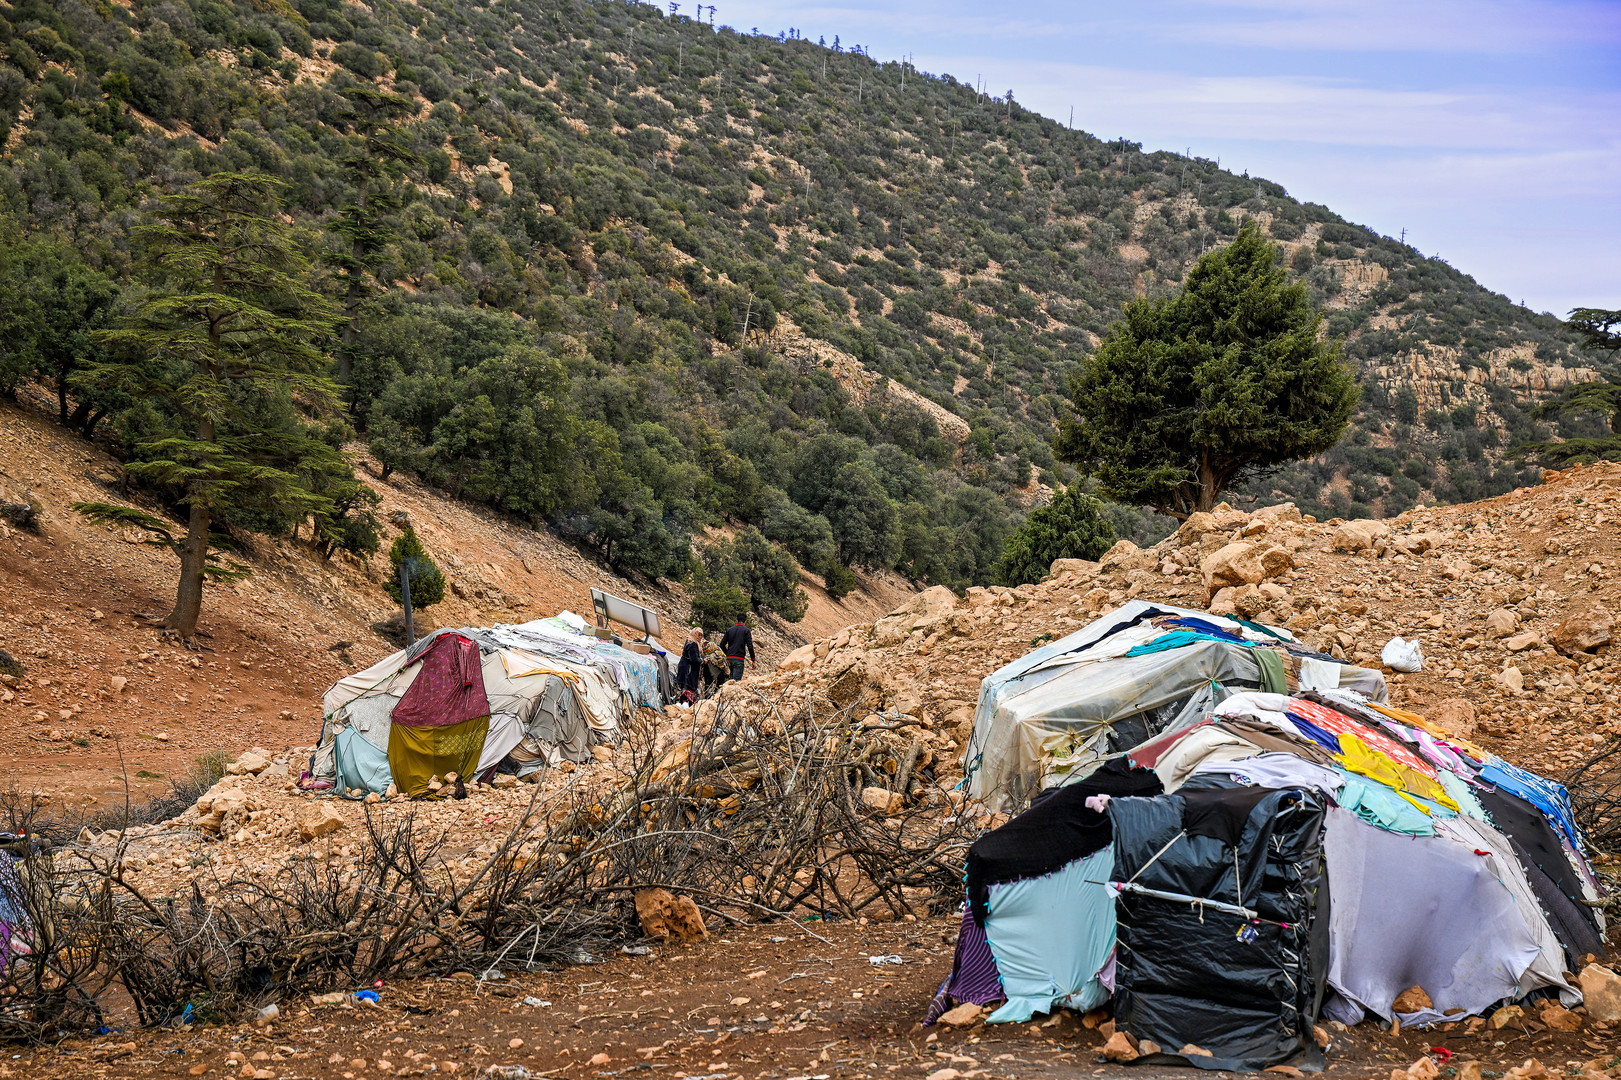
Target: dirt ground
(771, 1002)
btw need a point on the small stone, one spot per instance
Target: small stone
(1148, 1046)
(602, 753)
(667, 916)
(1559, 1018)
(943, 1074)
(965, 1015)
(1512, 678)
(1190, 1050)
(117, 683)
(599, 1059)
(504, 780)
(1412, 1000)
(1120, 1047)
(1501, 623)
(514, 1044)
(882, 800)
(1505, 1016)
(1521, 642)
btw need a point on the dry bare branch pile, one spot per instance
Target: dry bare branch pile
(758, 816)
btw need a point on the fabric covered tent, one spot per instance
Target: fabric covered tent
(1257, 859)
(1138, 671)
(468, 700)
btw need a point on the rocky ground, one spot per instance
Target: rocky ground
(1512, 601)
(776, 1002)
(103, 701)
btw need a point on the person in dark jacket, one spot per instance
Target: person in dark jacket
(686, 673)
(738, 645)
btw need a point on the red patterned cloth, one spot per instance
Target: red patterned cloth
(448, 689)
(1340, 724)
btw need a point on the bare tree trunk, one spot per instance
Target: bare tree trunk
(1207, 485)
(188, 604)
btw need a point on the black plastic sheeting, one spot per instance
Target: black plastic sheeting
(1246, 992)
(1053, 833)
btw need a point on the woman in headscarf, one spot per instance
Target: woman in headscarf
(686, 673)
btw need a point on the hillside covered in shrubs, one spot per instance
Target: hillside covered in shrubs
(570, 244)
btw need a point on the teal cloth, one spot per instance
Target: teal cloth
(1259, 628)
(1051, 936)
(1462, 795)
(1380, 806)
(1174, 639)
(360, 764)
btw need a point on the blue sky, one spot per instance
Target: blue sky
(1490, 131)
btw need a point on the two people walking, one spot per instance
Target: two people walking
(701, 658)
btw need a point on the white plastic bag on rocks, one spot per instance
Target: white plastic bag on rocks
(1402, 655)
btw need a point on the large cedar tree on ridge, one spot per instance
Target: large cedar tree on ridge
(1189, 394)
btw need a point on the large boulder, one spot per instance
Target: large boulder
(1073, 566)
(1455, 716)
(1124, 556)
(1195, 528)
(1359, 535)
(798, 660)
(319, 819)
(224, 798)
(1236, 564)
(923, 610)
(1584, 629)
(1601, 993)
(666, 916)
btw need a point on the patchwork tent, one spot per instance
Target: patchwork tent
(1258, 860)
(468, 700)
(1140, 670)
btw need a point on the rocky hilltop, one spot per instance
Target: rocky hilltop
(1512, 600)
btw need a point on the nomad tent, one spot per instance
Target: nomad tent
(1139, 670)
(1259, 859)
(467, 700)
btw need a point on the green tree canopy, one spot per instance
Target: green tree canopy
(1601, 332)
(1072, 526)
(767, 575)
(219, 350)
(1192, 393)
(427, 580)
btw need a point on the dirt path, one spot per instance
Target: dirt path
(768, 1002)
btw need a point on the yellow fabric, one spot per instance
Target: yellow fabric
(519, 663)
(418, 754)
(1358, 757)
(1401, 716)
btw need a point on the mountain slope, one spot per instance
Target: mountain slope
(638, 197)
(104, 698)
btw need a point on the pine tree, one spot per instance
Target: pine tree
(427, 582)
(229, 323)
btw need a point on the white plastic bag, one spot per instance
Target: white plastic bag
(1402, 655)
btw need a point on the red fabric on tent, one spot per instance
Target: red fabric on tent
(448, 689)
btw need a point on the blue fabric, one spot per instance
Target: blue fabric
(1210, 629)
(1051, 936)
(1546, 795)
(360, 764)
(1326, 739)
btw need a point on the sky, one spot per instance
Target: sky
(1489, 131)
